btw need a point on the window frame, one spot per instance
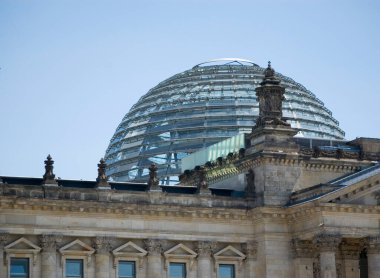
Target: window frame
(178, 261)
(31, 253)
(233, 264)
(76, 259)
(135, 262)
(20, 256)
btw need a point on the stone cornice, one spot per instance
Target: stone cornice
(132, 210)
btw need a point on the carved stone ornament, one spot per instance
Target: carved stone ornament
(153, 179)
(102, 179)
(205, 248)
(250, 249)
(49, 242)
(4, 237)
(49, 177)
(103, 244)
(327, 242)
(153, 246)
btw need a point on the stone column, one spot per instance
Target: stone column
(350, 255)
(3, 268)
(250, 249)
(154, 258)
(303, 258)
(204, 251)
(49, 259)
(103, 246)
(327, 244)
(373, 256)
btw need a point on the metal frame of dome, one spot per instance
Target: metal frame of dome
(199, 107)
(228, 61)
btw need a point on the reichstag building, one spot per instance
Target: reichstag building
(226, 170)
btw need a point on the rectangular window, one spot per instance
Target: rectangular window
(226, 271)
(127, 269)
(19, 268)
(74, 268)
(177, 270)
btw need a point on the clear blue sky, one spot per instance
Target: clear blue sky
(71, 69)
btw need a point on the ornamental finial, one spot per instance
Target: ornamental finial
(269, 72)
(102, 179)
(49, 177)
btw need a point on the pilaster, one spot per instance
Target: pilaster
(303, 253)
(373, 255)
(154, 263)
(49, 260)
(250, 250)
(350, 255)
(103, 246)
(327, 245)
(204, 250)
(4, 237)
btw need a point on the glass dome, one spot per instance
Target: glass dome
(199, 107)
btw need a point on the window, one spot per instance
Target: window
(74, 268)
(19, 268)
(127, 269)
(177, 270)
(226, 271)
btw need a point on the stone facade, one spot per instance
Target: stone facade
(303, 215)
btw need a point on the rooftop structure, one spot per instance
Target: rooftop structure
(199, 107)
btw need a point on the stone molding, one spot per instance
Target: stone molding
(49, 243)
(27, 248)
(250, 249)
(154, 246)
(103, 244)
(134, 252)
(67, 251)
(180, 252)
(327, 242)
(302, 248)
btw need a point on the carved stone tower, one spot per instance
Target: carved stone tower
(270, 96)
(272, 140)
(271, 132)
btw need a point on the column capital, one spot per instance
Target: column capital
(250, 249)
(351, 250)
(327, 242)
(302, 248)
(205, 248)
(373, 245)
(154, 246)
(49, 242)
(103, 244)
